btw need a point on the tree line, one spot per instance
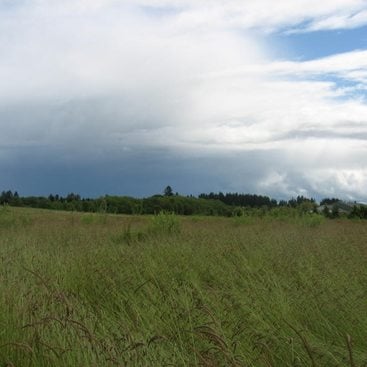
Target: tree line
(120, 204)
(217, 204)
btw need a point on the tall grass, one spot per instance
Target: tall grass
(211, 292)
(165, 223)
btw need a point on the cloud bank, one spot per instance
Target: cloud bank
(121, 87)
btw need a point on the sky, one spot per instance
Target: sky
(125, 97)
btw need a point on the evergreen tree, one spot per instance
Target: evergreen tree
(168, 191)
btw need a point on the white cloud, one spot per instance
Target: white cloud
(339, 21)
(99, 76)
(350, 65)
(302, 15)
(267, 14)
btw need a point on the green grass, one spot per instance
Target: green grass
(99, 290)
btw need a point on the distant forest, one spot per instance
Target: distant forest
(212, 204)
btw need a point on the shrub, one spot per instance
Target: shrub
(165, 222)
(313, 220)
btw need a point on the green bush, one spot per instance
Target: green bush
(312, 220)
(165, 222)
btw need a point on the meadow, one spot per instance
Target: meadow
(112, 290)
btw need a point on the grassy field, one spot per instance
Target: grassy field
(98, 290)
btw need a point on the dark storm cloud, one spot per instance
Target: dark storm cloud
(103, 96)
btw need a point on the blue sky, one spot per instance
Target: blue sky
(312, 45)
(126, 97)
